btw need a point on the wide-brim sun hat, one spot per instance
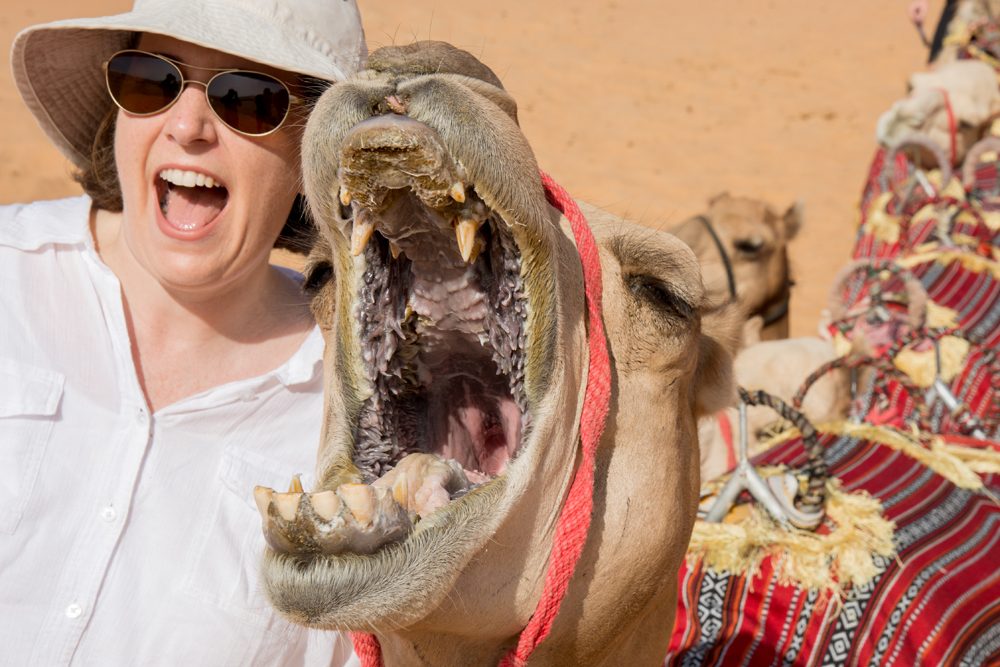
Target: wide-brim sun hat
(58, 66)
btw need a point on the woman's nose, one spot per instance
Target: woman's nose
(190, 120)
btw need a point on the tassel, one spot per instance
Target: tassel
(829, 563)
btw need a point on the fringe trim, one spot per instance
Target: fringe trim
(958, 464)
(831, 563)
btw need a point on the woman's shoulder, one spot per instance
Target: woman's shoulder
(32, 225)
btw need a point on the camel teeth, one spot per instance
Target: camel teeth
(287, 505)
(262, 495)
(476, 250)
(457, 191)
(326, 504)
(296, 485)
(359, 499)
(465, 234)
(360, 235)
(395, 250)
(345, 196)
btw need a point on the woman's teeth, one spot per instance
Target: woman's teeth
(188, 179)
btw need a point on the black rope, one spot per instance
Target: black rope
(722, 253)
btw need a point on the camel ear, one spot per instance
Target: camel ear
(715, 385)
(717, 197)
(793, 218)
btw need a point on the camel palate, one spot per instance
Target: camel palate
(451, 297)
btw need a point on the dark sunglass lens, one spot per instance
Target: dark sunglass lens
(142, 83)
(249, 102)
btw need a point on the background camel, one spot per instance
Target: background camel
(742, 247)
(951, 105)
(452, 299)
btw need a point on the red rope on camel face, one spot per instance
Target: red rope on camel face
(574, 519)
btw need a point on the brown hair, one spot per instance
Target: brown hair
(99, 179)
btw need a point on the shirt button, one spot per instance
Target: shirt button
(109, 514)
(74, 610)
(140, 415)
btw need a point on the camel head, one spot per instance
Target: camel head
(753, 239)
(950, 105)
(451, 297)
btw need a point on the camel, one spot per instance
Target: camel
(950, 105)
(741, 244)
(451, 295)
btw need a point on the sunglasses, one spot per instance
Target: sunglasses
(251, 103)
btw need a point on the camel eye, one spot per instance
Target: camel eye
(316, 276)
(750, 246)
(659, 295)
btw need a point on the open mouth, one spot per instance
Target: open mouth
(439, 313)
(189, 200)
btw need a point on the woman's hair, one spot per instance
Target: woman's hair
(99, 178)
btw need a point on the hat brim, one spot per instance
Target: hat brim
(57, 66)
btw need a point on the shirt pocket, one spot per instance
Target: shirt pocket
(29, 407)
(225, 567)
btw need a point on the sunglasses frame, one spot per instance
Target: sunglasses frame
(219, 71)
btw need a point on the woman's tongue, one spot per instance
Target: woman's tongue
(191, 208)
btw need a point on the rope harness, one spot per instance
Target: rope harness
(772, 310)
(574, 518)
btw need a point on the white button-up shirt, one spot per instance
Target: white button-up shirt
(129, 538)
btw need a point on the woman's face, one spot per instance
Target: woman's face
(202, 239)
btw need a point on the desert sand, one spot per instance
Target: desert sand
(643, 107)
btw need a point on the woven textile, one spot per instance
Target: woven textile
(938, 603)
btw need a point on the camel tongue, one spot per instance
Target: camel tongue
(192, 208)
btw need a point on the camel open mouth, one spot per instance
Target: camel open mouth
(439, 315)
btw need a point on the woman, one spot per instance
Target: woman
(153, 366)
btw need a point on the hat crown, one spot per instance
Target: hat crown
(331, 27)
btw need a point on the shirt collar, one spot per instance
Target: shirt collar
(41, 223)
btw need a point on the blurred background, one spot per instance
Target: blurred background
(643, 107)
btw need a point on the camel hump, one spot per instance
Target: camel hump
(431, 57)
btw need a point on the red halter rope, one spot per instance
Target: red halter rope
(574, 519)
(952, 127)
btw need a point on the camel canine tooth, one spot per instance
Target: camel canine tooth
(394, 249)
(296, 485)
(477, 248)
(345, 196)
(457, 192)
(465, 234)
(360, 235)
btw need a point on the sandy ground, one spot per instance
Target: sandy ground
(643, 107)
